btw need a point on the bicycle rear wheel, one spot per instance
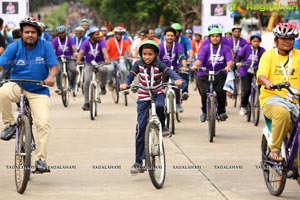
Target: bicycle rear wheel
(93, 101)
(274, 176)
(256, 107)
(155, 155)
(211, 119)
(115, 90)
(170, 116)
(23, 154)
(64, 90)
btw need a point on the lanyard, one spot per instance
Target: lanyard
(172, 51)
(119, 48)
(78, 44)
(286, 75)
(236, 45)
(214, 57)
(63, 47)
(198, 44)
(253, 56)
(151, 76)
(94, 51)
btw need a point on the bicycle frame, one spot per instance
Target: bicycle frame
(94, 81)
(170, 91)
(211, 93)
(64, 70)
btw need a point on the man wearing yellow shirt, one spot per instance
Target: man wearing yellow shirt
(278, 65)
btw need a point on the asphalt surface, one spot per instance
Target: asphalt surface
(92, 159)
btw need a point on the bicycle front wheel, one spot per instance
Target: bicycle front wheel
(256, 107)
(211, 119)
(93, 101)
(155, 155)
(171, 114)
(64, 89)
(23, 154)
(115, 90)
(274, 175)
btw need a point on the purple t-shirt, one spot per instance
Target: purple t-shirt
(224, 56)
(168, 56)
(239, 44)
(246, 55)
(63, 48)
(94, 53)
(224, 41)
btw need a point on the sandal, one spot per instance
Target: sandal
(276, 156)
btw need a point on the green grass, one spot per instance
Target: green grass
(56, 17)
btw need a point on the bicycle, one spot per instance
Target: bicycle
(94, 97)
(253, 107)
(170, 108)
(25, 142)
(211, 104)
(79, 79)
(236, 88)
(154, 147)
(64, 82)
(117, 78)
(276, 173)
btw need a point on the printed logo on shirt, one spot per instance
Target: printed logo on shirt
(39, 60)
(21, 62)
(219, 59)
(63, 48)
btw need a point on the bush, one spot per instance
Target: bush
(56, 17)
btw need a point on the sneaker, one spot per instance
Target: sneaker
(223, 116)
(203, 117)
(41, 167)
(179, 108)
(136, 168)
(58, 91)
(103, 90)
(185, 96)
(165, 131)
(8, 132)
(243, 111)
(86, 106)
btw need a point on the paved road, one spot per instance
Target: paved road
(91, 159)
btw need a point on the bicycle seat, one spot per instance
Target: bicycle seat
(268, 123)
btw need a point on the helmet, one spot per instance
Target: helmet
(109, 34)
(84, 21)
(236, 27)
(118, 29)
(60, 29)
(31, 22)
(92, 30)
(103, 28)
(286, 30)
(79, 29)
(255, 35)
(176, 26)
(212, 26)
(149, 44)
(157, 32)
(198, 33)
(215, 31)
(188, 31)
(228, 31)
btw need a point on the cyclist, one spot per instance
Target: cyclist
(279, 65)
(188, 53)
(151, 35)
(94, 51)
(45, 35)
(85, 23)
(170, 52)
(137, 42)
(33, 58)
(224, 41)
(103, 31)
(151, 72)
(196, 45)
(249, 54)
(228, 34)
(236, 42)
(64, 45)
(158, 33)
(214, 57)
(117, 47)
(189, 34)
(79, 37)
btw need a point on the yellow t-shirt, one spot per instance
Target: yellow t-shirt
(269, 66)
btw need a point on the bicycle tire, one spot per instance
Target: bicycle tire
(256, 107)
(64, 90)
(274, 177)
(115, 91)
(75, 92)
(178, 117)
(155, 155)
(23, 155)
(125, 99)
(171, 114)
(248, 112)
(211, 119)
(93, 102)
(235, 91)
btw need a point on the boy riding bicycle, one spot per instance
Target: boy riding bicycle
(150, 72)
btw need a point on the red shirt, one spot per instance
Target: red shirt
(113, 48)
